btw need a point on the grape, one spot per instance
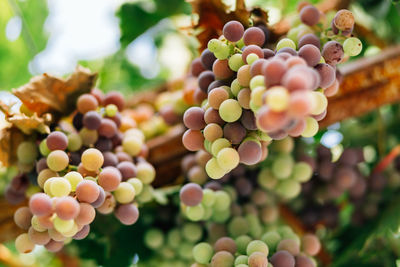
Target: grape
(109, 178)
(74, 142)
(235, 62)
(41, 165)
(233, 31)
(23, 217)
(54, 246)
(352, 46)
(23, 244)
(88, 137)
(132, 145)
(222, 201)
(256, 67)
(277, 98)
(27, 152)
(309, 38)
(146, 172)
(57, 141)
(207, 59)
(252, 49)
(87, 191)
(257, 81)
(273, 71)
(221, 69)
(333, 52)
(223, 52)
(309, 15)
(282, 166)
(195, 213)
(63, 225)
(86, 214)
(212, 116)
(243, 75)
(243, 98)
(57, 160)
(215, 98)
(300, 104)
(193, 140)
(228, 158)
(311, 244)
(38, 238)
(196, 68)
(60, 187)
(248, 120)
(154, 239)
(67, 208)
(230, 110)
(111, 110)
(36, 224)
(40, 204)
(91, 120)
(249, 152)
(92, 159)
(241, 260)
(86, 102)
(44, 150)
(289, 245)
(272, 239)
(311, 127)
(127, 214)
(125, 193)
(191, 194)
(55, 235)
(212, 132)
(215, 84)
(268, 120)
(327, 73)
(202, 253)
(194, 118)
(254, 36)
(115, 98)
(222, 259)
(345, 178)
(285, 42)
(83, 233)
(303, 261)
(219, 144)
(268, 53)
(302, 172)
(257, 246)
(282, 259)
(344, 20)
(100, 199)
(107, 128)
(258, 259)
(234, 133)
(214, 45)
(208, 197)
(288, 189)
(225, 244)
(311, 54)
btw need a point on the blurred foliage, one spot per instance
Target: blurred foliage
(16, 55)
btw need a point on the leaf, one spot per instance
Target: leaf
(30, 124)
(213, 14)
(10, 138)
(48, 94)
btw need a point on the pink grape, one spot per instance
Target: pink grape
(87, 191)
(40, 204)
(233, 31)
(127, 214)
(67, 208)
(191, 194)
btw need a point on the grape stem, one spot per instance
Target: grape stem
(385, 162)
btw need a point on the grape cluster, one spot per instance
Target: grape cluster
(250, 94)
(282, 174)
(280, 247)
(332, 180)
(95, 163)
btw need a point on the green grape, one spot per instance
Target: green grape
(174, 238)
(195, 213)
(111, 110)
(256, 98)
(88, 137)
(242, 259)
(257, 81)
(282, 166)
(44, 175)
(132, 145)
(235, 62)
(311, 127)
(235, 86)
(125, 193)
(285, 42)
(257, 246)
(208, 197)
(36, 224)
(74, 178)
(213, 169)
(222, 201)
(266, 179)
(63, 225)
(202, 253)
(288, 189)
(146, 195)
(57, 160)
(137, 185)
(241, 265)
(230, 110)
(277, 98)
(251, 58)
(352, 46)
(320, 103)
(146, 172)
(74, 142)
(254, 225)
(221, 216)
(185, 250)
(72, 231)
(44, 150)
(214, 45)
(60, 187)
(219, 144)
(285, 145)
(302, 172)
(135, 133)
(223, 52)
(192, 232)
(207, 213)
(27, 152)
(207, 145)
(228, 158)
(23, 243)
(272, 239)
(293, 33)
(242, 242)
(154, 239)
(238, 226)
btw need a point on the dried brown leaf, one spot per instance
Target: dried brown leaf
(30, 124)
(48, 94)
(10, 138)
